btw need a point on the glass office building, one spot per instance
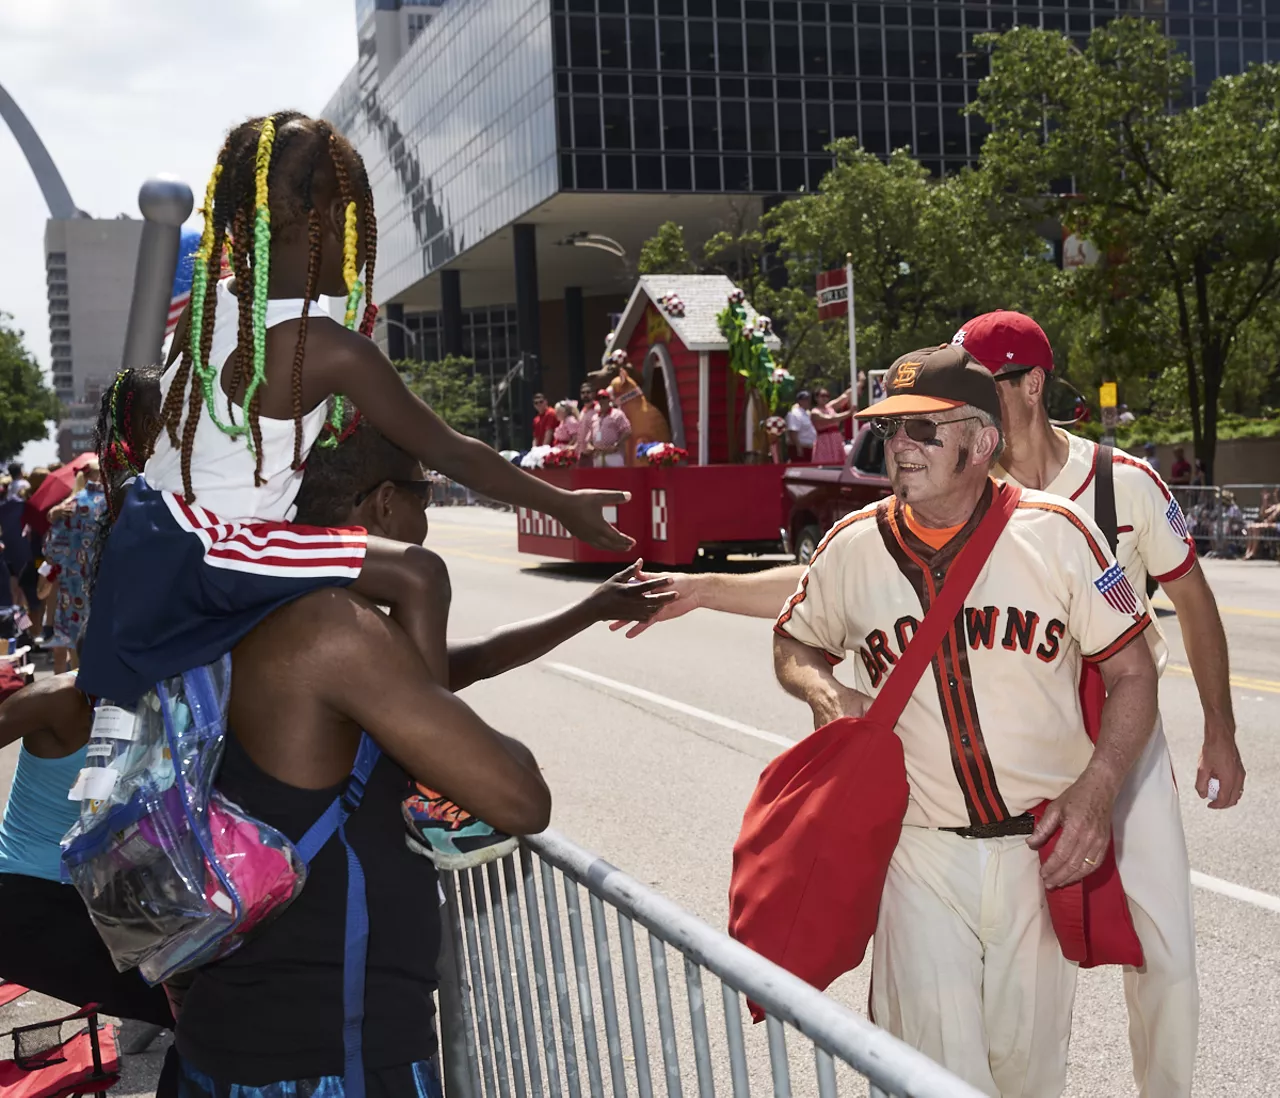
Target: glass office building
(502, 127)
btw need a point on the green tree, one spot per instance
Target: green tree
(666, 252)
(1183, 205)
(27, 405)
(926, 255)
(456, 393)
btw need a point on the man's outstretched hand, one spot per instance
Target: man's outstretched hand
(630, 596)
(683, 592)
(583, 516)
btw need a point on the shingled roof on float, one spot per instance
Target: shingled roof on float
(704, 297)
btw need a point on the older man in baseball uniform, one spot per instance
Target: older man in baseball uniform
(967, 967)
(1151, 535)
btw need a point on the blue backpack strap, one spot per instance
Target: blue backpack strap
(333, 817)
(356, 944)
(354, 961)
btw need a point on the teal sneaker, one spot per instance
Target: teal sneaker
(450, 836)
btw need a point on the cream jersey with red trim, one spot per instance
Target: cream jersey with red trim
(1153, 536)
(995, 727)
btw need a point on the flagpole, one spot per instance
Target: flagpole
(853, 333)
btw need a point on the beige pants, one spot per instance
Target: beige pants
(966, 967)
(1163, 996)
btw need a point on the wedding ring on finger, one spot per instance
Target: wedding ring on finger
(1090, 861)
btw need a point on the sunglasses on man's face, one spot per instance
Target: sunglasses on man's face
(419, 488)
(918, 430)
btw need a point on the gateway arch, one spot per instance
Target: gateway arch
(56, 195)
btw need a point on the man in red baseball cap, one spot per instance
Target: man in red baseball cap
(1147, 532)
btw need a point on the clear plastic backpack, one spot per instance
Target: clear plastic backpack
(173, 874)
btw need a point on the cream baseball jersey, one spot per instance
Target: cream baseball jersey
(1153, 536)
(997, 727)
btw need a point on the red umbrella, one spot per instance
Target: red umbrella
(57, 486)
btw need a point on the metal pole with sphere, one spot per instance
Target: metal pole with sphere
(165, 202)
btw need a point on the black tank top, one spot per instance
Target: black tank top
(272, 1010)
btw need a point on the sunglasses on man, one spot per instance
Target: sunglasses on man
(419, 488)
(918, 430)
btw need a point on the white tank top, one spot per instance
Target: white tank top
(222, 466)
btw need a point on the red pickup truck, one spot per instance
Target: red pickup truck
(816, 497)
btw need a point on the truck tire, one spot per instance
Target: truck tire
(807, 543)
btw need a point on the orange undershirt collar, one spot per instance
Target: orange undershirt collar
(935, 537)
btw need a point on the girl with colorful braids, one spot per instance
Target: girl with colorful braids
(204, 547)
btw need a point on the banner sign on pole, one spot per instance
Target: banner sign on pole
(833, 294)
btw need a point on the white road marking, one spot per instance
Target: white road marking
(670, 703)
(1200, 880)
(1235, 891)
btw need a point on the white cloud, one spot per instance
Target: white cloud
(122, 89)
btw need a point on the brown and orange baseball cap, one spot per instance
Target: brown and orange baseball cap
(936, 379)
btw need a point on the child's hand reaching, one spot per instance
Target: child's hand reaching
(582, 515)
(625, 598)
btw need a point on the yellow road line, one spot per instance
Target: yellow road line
(1244, 682)
(1241, 611)
(451, 551)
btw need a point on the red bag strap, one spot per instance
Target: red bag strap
(961, 577)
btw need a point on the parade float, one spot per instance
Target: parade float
(691, 365)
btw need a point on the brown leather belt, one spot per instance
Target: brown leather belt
(1017, 825)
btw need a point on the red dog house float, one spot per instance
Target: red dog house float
(728, 496)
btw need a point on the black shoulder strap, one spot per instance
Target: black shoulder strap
(1104, 497)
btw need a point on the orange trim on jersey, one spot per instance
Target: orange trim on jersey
(975, 736)
(799, 596)
(949, 716)
(1125, 459)
(1044, 505)
(1181, 570)
(1121, 641)
(1093, 468)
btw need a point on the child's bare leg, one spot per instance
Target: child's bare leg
(414, 583)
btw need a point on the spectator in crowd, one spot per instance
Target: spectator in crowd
(1149, 455)
(30, 578)
(19, 486)
(544, 421)
(566, 432)
(828, 417)
(611, 431)
(68, 547)
(1125, 417)
(1180, 473)
(16, 547)
(801, 433)
(1267, 528)
(1080, 411)
(588, 412)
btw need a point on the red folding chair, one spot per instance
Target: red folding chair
(46, 1064)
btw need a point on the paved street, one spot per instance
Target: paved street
(659, 791)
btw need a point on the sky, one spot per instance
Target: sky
(120, 90)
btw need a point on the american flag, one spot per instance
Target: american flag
(1115, 587)
(1176, 519)
(189, 245)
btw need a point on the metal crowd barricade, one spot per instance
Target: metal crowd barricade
(519, 957)
(1251, 520)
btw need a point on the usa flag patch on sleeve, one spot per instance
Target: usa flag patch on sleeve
(1176, 519)
(1115, 587)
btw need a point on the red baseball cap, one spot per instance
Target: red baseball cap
(1002, 339)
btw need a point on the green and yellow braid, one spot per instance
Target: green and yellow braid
(199, 295)
(261, 260)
